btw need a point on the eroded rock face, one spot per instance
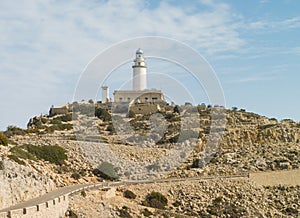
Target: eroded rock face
(20, 183)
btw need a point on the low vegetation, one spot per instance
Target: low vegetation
(13, 130)
(103, 114)
(123, 212)
(155, 200)
(16, 159)
(147, 213)
(1, 165)
(262, 127)
(53, 154)
(22, 153)
(106, 171)
(222, 207)
(129, 194)
(3, 139)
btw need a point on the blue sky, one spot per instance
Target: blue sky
(253, 46)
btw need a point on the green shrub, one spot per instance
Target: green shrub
(172, 117)
(131, 114)
(111, 128)
(21, 153)
(1, 165)
(72, 214)
(147, 212)
(13, 130)
(220, 207)
(291, 211)
(103, 114)
(124, 213)
(106, 170)
(82, 172)
(35, 122)
(59, 127)
(262, 127)
(75, 176)
(83, 193)
(177, 109)
(173, 139)
(16, 159)
(156, 200)
(63, 118)
(53, 154)
(32, 131)
(66, 117)
(62, 169)
(129, 194)
(198, 163)
(44, 120)
(55, 121)
(3, 139)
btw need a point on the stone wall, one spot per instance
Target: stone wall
(55, 208)
(145, 108)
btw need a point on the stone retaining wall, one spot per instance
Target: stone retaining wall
(55, 208)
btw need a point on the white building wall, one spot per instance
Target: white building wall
(143, 96)
(139, 78)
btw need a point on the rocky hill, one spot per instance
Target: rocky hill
(64, 149)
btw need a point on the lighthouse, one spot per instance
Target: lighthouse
(139, 93)
(139, 72)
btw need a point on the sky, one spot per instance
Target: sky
(253, 47)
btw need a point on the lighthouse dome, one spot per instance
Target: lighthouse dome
(139, 51)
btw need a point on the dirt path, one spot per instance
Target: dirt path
(284, 177)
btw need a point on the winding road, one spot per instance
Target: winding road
(288, 177)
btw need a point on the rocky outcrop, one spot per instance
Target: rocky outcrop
(19, 183)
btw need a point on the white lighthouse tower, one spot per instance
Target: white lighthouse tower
(139, 71)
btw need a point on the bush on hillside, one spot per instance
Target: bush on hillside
(1, 165)
(131, 114)
(3, 139)
(129, 194)
(103, 114)
(156, 200)
(16, 159)
(123, 213)
(13, 130)
(106, 170)
(75, 175)
(53, 154)
(147, 213)
(55, 121)
(21, 153)
(111, 128)
(64, 118)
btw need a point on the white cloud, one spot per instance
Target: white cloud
(274, 25)
(251, 79)
(46, 44)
